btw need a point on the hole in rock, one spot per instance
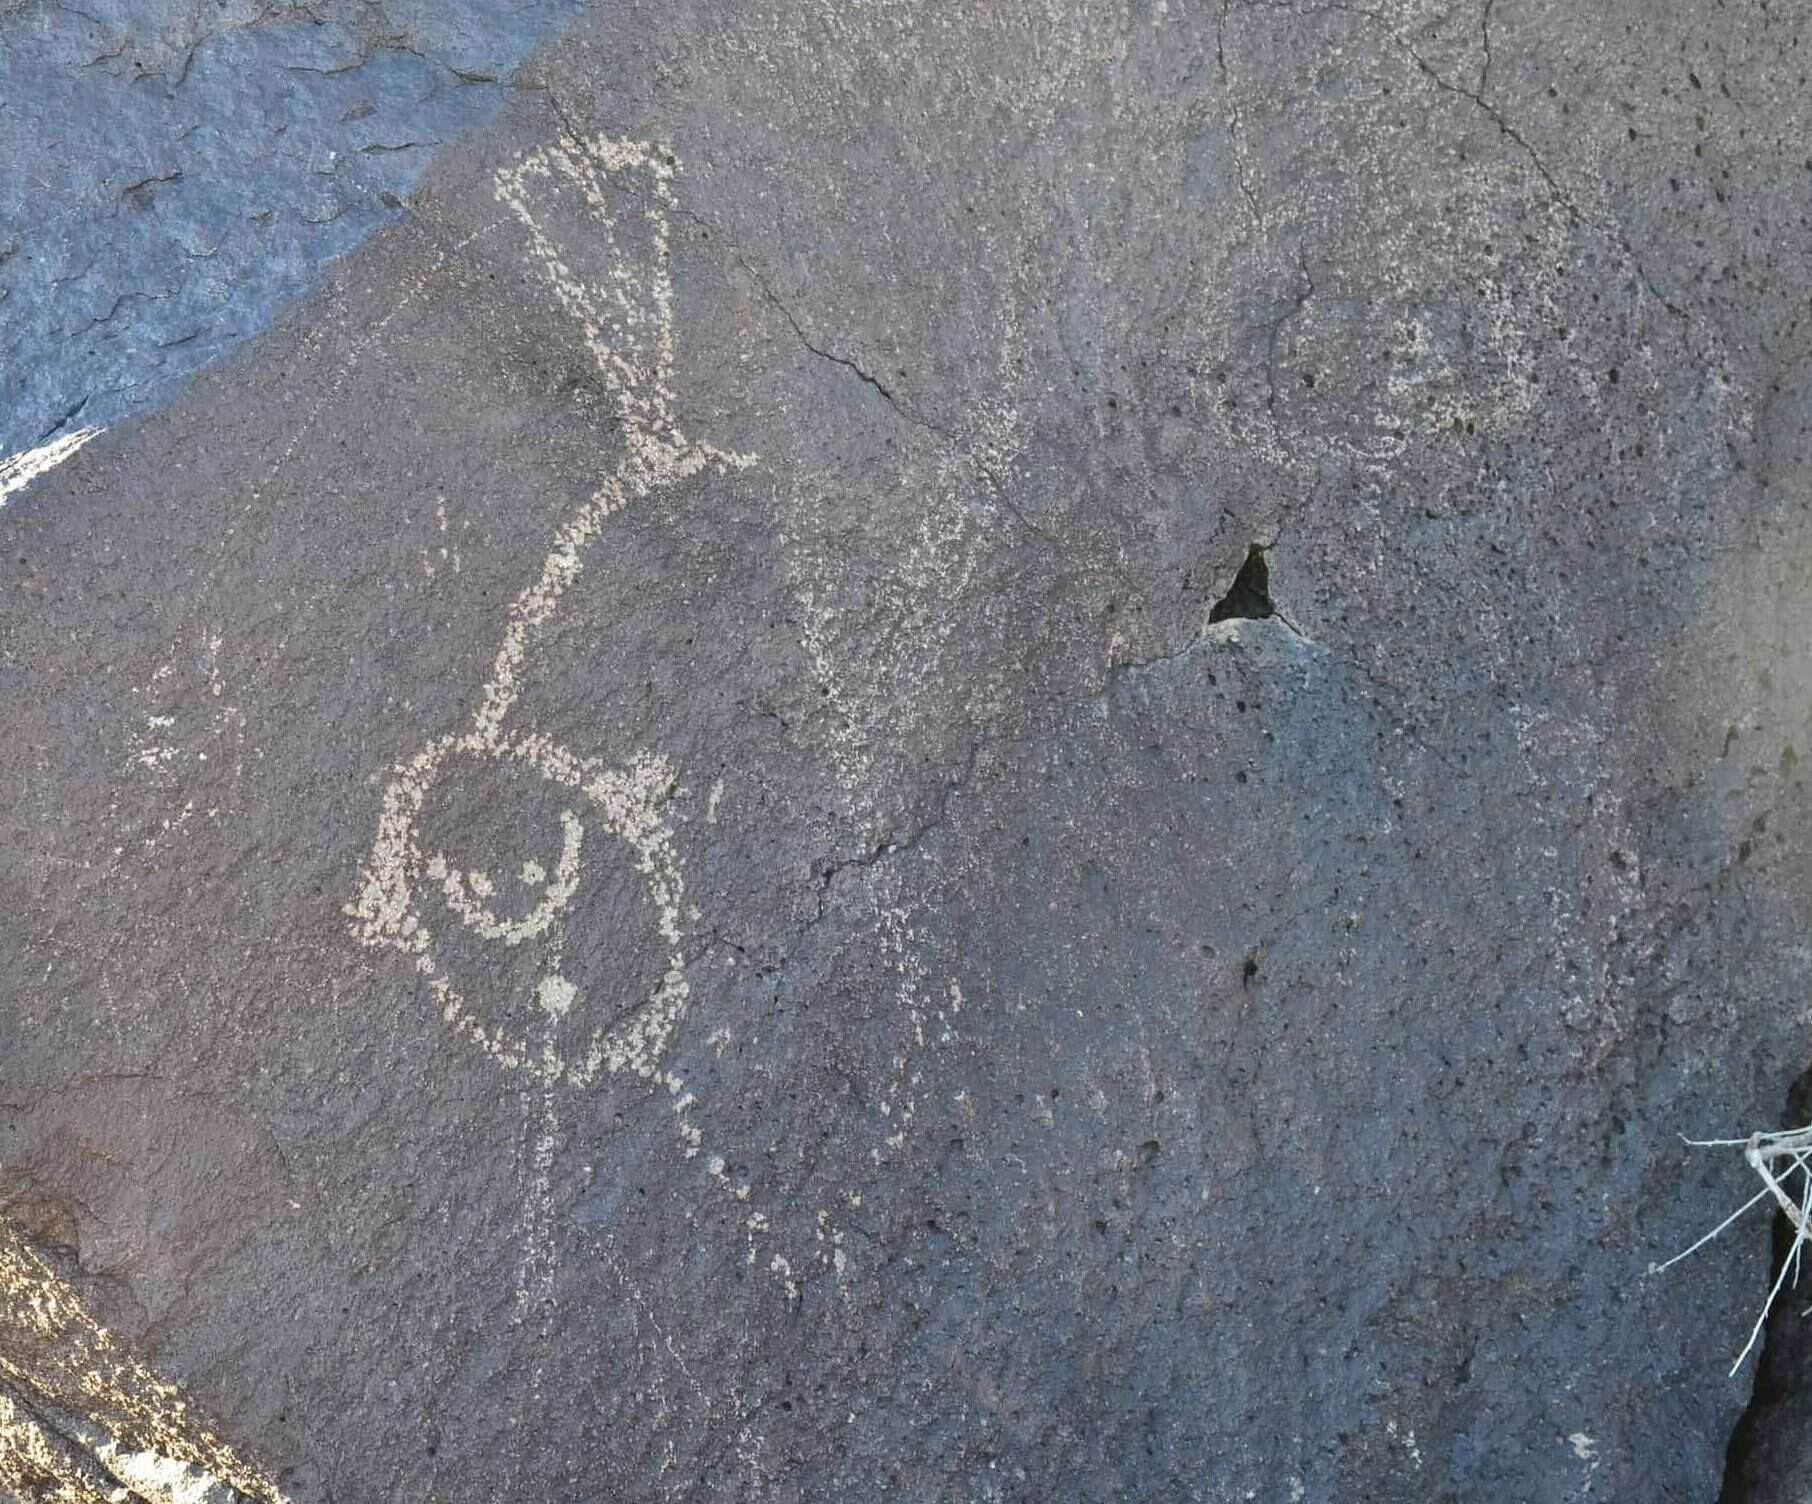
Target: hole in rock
(1249, 597)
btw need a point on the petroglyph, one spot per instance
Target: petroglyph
(441, 889)
(412, 892)
(83, 1420)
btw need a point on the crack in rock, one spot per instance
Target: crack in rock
(1477, 97)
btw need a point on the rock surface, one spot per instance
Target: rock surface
(173, 171)
(642, 862)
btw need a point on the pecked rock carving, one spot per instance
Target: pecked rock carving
(412, 891)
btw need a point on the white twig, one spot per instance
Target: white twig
(1765, 1152)
(1762, 1320)
(1805, 1209)
(1761, 1195)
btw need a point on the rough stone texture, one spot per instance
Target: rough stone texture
(1127, 1056)
(173, 171)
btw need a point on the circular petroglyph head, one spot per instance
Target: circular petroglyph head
(540, 897)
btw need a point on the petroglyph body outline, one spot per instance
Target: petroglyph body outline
(628, 328)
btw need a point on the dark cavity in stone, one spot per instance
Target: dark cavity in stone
(1249, 597)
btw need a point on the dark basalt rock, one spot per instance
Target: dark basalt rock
(1182, 697)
